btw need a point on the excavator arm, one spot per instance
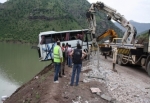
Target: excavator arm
(110, 33)
(130, 33)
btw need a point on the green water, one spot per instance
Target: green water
(18, 64)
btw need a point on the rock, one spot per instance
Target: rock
(115, 102)
(147, 88)
(136, 95)
(85, 81)
(98, 93)
(36, 77)
(95, 90)
(66, 97)
(106, 97)
(3, 98)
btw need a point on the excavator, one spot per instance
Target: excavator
(109, 32)
(106, 48)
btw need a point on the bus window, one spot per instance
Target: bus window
(67, 36)
(55, 38)
(42, 39)
(79, 36)
(48, 39)
(73, 38)
(58, 37)
(63, 36)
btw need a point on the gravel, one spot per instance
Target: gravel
(122, 87)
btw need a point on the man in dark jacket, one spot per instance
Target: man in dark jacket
(77, 60)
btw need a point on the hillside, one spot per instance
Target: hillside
(23, 20)
(143, 37)
(141, 27)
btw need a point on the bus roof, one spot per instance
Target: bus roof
(57, 32)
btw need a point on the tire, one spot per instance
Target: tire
(148, 68)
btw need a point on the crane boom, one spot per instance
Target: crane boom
(130, 33)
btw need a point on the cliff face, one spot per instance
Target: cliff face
(23, 19)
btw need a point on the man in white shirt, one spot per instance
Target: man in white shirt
(69, 56)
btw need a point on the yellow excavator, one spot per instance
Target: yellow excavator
(105, 48)
(109, 32)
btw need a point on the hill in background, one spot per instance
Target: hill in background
(141, 27)
(143, 37)
(23, 20)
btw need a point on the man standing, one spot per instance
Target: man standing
(77, 60)
(62, 70)
(69, 50)
(66, 53)
(58, 59)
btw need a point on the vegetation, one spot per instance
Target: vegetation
(143, 37)
(23, 20)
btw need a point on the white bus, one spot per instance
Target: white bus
(48, 39)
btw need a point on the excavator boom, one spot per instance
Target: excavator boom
(109, 32)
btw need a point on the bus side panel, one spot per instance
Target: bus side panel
(47, 51)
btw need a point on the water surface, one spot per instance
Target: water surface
(18, 64)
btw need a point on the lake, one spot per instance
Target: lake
(18, 64)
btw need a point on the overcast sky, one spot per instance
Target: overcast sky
(1, 1)
(137, 10)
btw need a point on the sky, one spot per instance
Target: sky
(136, 10)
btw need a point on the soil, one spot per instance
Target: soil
(130, 84)
(42, 89)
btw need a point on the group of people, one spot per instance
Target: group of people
(65, 54)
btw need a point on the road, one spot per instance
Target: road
(130, 84)
(133, 71)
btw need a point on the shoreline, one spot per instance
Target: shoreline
(17, 42)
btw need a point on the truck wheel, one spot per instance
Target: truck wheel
(148, 68)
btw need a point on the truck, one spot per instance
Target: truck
(127, 52)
